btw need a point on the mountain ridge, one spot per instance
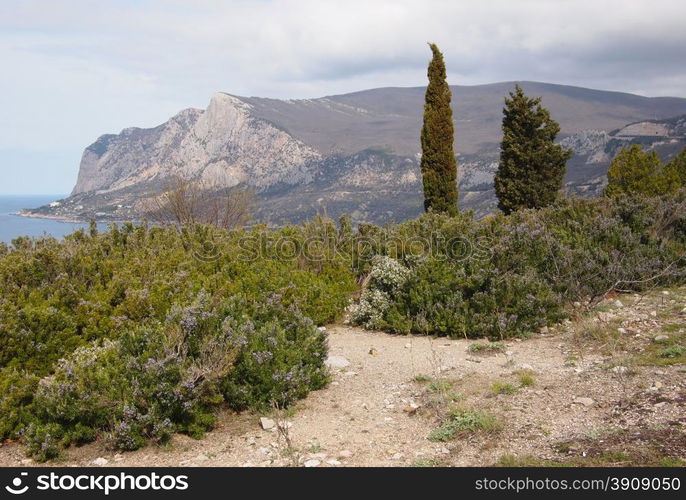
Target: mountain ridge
(357, 153)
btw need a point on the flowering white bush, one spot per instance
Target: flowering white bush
(387, 274)
(386, 278)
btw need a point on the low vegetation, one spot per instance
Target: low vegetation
(464, 421)
(139, 332)
(505, 277)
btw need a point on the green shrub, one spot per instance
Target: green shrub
(281, 357)
(508, 276)
(16, 401)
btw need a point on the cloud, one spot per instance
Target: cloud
(78, 69)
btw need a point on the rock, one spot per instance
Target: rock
(373, 352)
(545, 330)
(683, 311)
(313, 462)
(526, 366)
(584, 401)
(267, 423)
(618, 304)
(653, 313)
(321, 329)
(350, 373)
(661, 338)
(118, 458)
(408, 346)
(333, 462)
(337, 362)
(665, 292)
(619, 369)
(577, 304)
(397, 456)
(100, 461)
(345, 454)
(251, 441)
(444, 450)
(411, 409)
(658, 385)
(29, 461)
(621, 330)
(660, 404)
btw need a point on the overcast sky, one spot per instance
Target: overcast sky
(75, 69)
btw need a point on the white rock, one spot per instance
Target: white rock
(653, 313)
(618, 303)
(350, 373)
(333, 462)
(619, 369)
(621, 330)
(444, 450)
(345, 454)
(267, 423)
(100, 461)
(337, 362)
(397, 456)
(661, 338)
(313, 462)
(584, 401)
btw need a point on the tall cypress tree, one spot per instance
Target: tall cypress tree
(438, 165)
(532, 167)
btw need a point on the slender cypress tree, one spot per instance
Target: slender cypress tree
(438, 165)
(532, 167)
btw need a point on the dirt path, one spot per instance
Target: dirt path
(379, 410)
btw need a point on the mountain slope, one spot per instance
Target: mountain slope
(355, 153)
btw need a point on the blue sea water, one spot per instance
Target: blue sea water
(12, 226)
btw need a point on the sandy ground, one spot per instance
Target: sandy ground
(368, 415)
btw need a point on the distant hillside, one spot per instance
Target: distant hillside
(356, 153)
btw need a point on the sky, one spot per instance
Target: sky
(72, 70)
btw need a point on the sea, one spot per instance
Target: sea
(12, 226)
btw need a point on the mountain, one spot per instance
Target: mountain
(356, 153)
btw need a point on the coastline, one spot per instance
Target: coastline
(56, 218)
